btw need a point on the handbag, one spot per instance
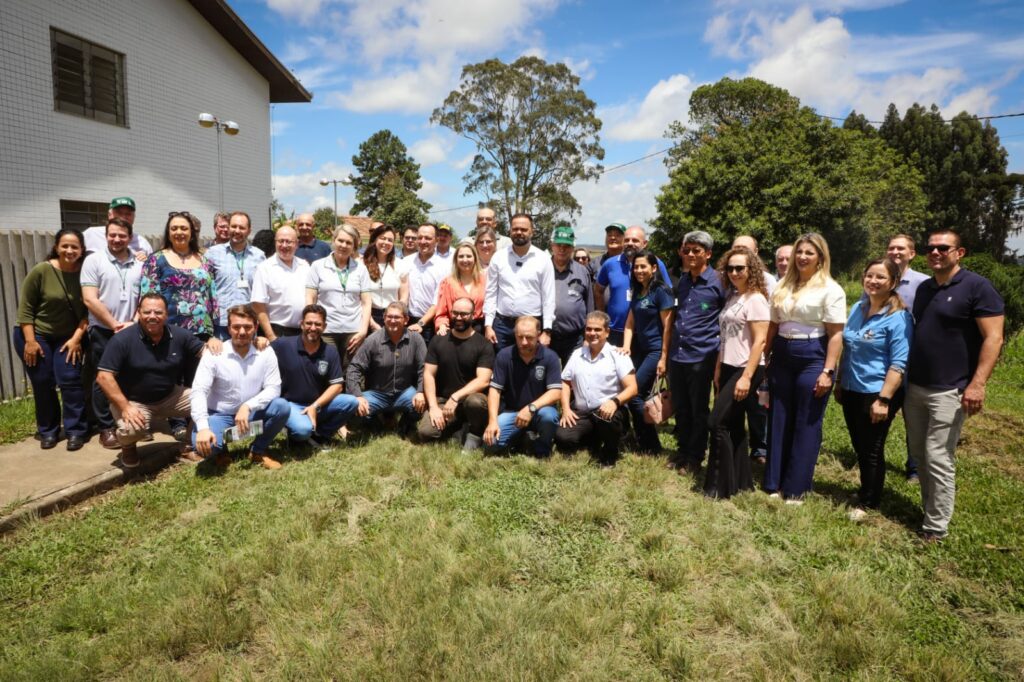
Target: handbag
(658, 406)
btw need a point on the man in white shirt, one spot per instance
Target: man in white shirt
(279, 287)
(110, 290)
(234, 266)
(520, 281)
(601, 381)
(424, 272)
(123, 208)
(235, 388)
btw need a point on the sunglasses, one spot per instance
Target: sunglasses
(695, 250)
(582, 259)
(176, 214)
(941, 248)
(735, 268)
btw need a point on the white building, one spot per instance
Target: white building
(100, 98)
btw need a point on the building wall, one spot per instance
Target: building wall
(176, 66)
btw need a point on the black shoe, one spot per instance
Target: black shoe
(47, 442)
(75, 443)
(181, 434)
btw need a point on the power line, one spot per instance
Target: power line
(944, 120)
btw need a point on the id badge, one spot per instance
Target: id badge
(125, 295)
(243, 283)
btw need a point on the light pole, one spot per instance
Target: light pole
(342, 181)
(228, 127)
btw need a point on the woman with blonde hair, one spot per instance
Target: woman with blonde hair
(342, 285)
(738, 372)
(805, 338)
(876, 347)
(466, 281)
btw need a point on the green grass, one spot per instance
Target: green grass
(17, 420)
(389, 561)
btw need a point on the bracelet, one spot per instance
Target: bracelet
(615, 399)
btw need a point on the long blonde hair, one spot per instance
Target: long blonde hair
(789, 287)
(476, 262)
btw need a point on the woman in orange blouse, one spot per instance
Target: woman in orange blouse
(466, 281)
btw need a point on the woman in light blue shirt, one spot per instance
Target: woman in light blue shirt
(876, 344)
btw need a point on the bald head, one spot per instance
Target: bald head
(304, 225)
(633, 241)
(746, 241)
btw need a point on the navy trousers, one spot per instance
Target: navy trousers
(53, 371)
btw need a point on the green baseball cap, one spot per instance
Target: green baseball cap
(563, 235)
(616, 226)
(118, 202)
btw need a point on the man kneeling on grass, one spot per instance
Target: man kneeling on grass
(142, 372)
(386, 374)
(601, 380)
(456, 373)
(311, 381)
(234, 389)
(524, 390)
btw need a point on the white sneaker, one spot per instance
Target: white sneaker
(857, 514)
(774, 496)
(794, 502)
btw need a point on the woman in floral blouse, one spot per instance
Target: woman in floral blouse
(183, 276)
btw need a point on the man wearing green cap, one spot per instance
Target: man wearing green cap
(574, 296)
(123, 208)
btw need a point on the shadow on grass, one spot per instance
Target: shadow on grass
(896, 506)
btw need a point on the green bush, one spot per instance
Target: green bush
(1007, 279)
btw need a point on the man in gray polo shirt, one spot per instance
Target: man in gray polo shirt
(110, 290)
(574, 296)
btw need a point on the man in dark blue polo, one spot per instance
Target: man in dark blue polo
(525, 386)
(699, 300)
(574, 295)
(311, 381)
(957, 337)
(141, 373)
(613, 278)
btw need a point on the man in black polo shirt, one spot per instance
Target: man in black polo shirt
(524, 389)
(957, 337)
(141, 373)
(455, 376)
(311, 381)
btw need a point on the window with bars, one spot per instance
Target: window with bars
(88, 79)
(82, 215)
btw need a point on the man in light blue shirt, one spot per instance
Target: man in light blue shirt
(234, 264)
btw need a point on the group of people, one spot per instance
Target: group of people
(502, 345)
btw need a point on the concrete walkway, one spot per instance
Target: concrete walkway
(35, 482)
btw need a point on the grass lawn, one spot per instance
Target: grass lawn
(390, 561)
(17, 420)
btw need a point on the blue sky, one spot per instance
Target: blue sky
(388, 63)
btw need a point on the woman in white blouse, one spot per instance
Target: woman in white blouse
(342, 286)
(805, 337)
(386, 285)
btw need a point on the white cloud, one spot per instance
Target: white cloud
(582, 68)
(431, 150)
(463, 163)
(410, 91)
(299, 10)
(533, 52)
(278, 127)
(1010, 49)
(302, 191)
(622, 195)
(667, 101)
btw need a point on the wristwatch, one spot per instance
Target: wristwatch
(831, 373)
(533, 408)
(882, 399)
(615, 399)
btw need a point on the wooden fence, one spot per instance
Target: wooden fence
(19, 253)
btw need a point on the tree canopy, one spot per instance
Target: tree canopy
(535, 133)
(767, 167)
(388, 181)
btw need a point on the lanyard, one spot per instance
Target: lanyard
(122, 271)
(240, 262)
(343, 275)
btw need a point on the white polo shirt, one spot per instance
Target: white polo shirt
(117, 284)
(339, 290)
(424, 281)
(595, 380)
(96, 241)
(282, 289)
(223, 383)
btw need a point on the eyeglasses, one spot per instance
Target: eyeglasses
(695, 250)
(735, 268)
(459, 313)
(941, 248)
(582, 259)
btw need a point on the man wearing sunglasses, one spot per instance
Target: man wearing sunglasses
(309, 247)
(957, 337)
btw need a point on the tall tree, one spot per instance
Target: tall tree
(785, 171)
(860, 123)
(383, 156)
(398, 207)
(325, 221)
(535, 133)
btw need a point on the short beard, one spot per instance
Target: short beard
(520, 241)
(630, 252)
(460, 324)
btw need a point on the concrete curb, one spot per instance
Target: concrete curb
(157, 459)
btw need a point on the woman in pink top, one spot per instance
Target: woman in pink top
(739, 371)
(466, 281)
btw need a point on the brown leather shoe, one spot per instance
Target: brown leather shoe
(264, 461)
(129, 457)
(108, 439)
(189, 455)
(223, 460)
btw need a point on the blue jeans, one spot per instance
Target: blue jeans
(505, 331)
(691, 394)
(391, 401)
(53, 371)
(331, 418)
(796, 415)
(274, 417)
(544, 423)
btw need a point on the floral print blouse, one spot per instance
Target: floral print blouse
(191, 295)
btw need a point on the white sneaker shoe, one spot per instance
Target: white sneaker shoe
(857, 514)
(794, 502)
